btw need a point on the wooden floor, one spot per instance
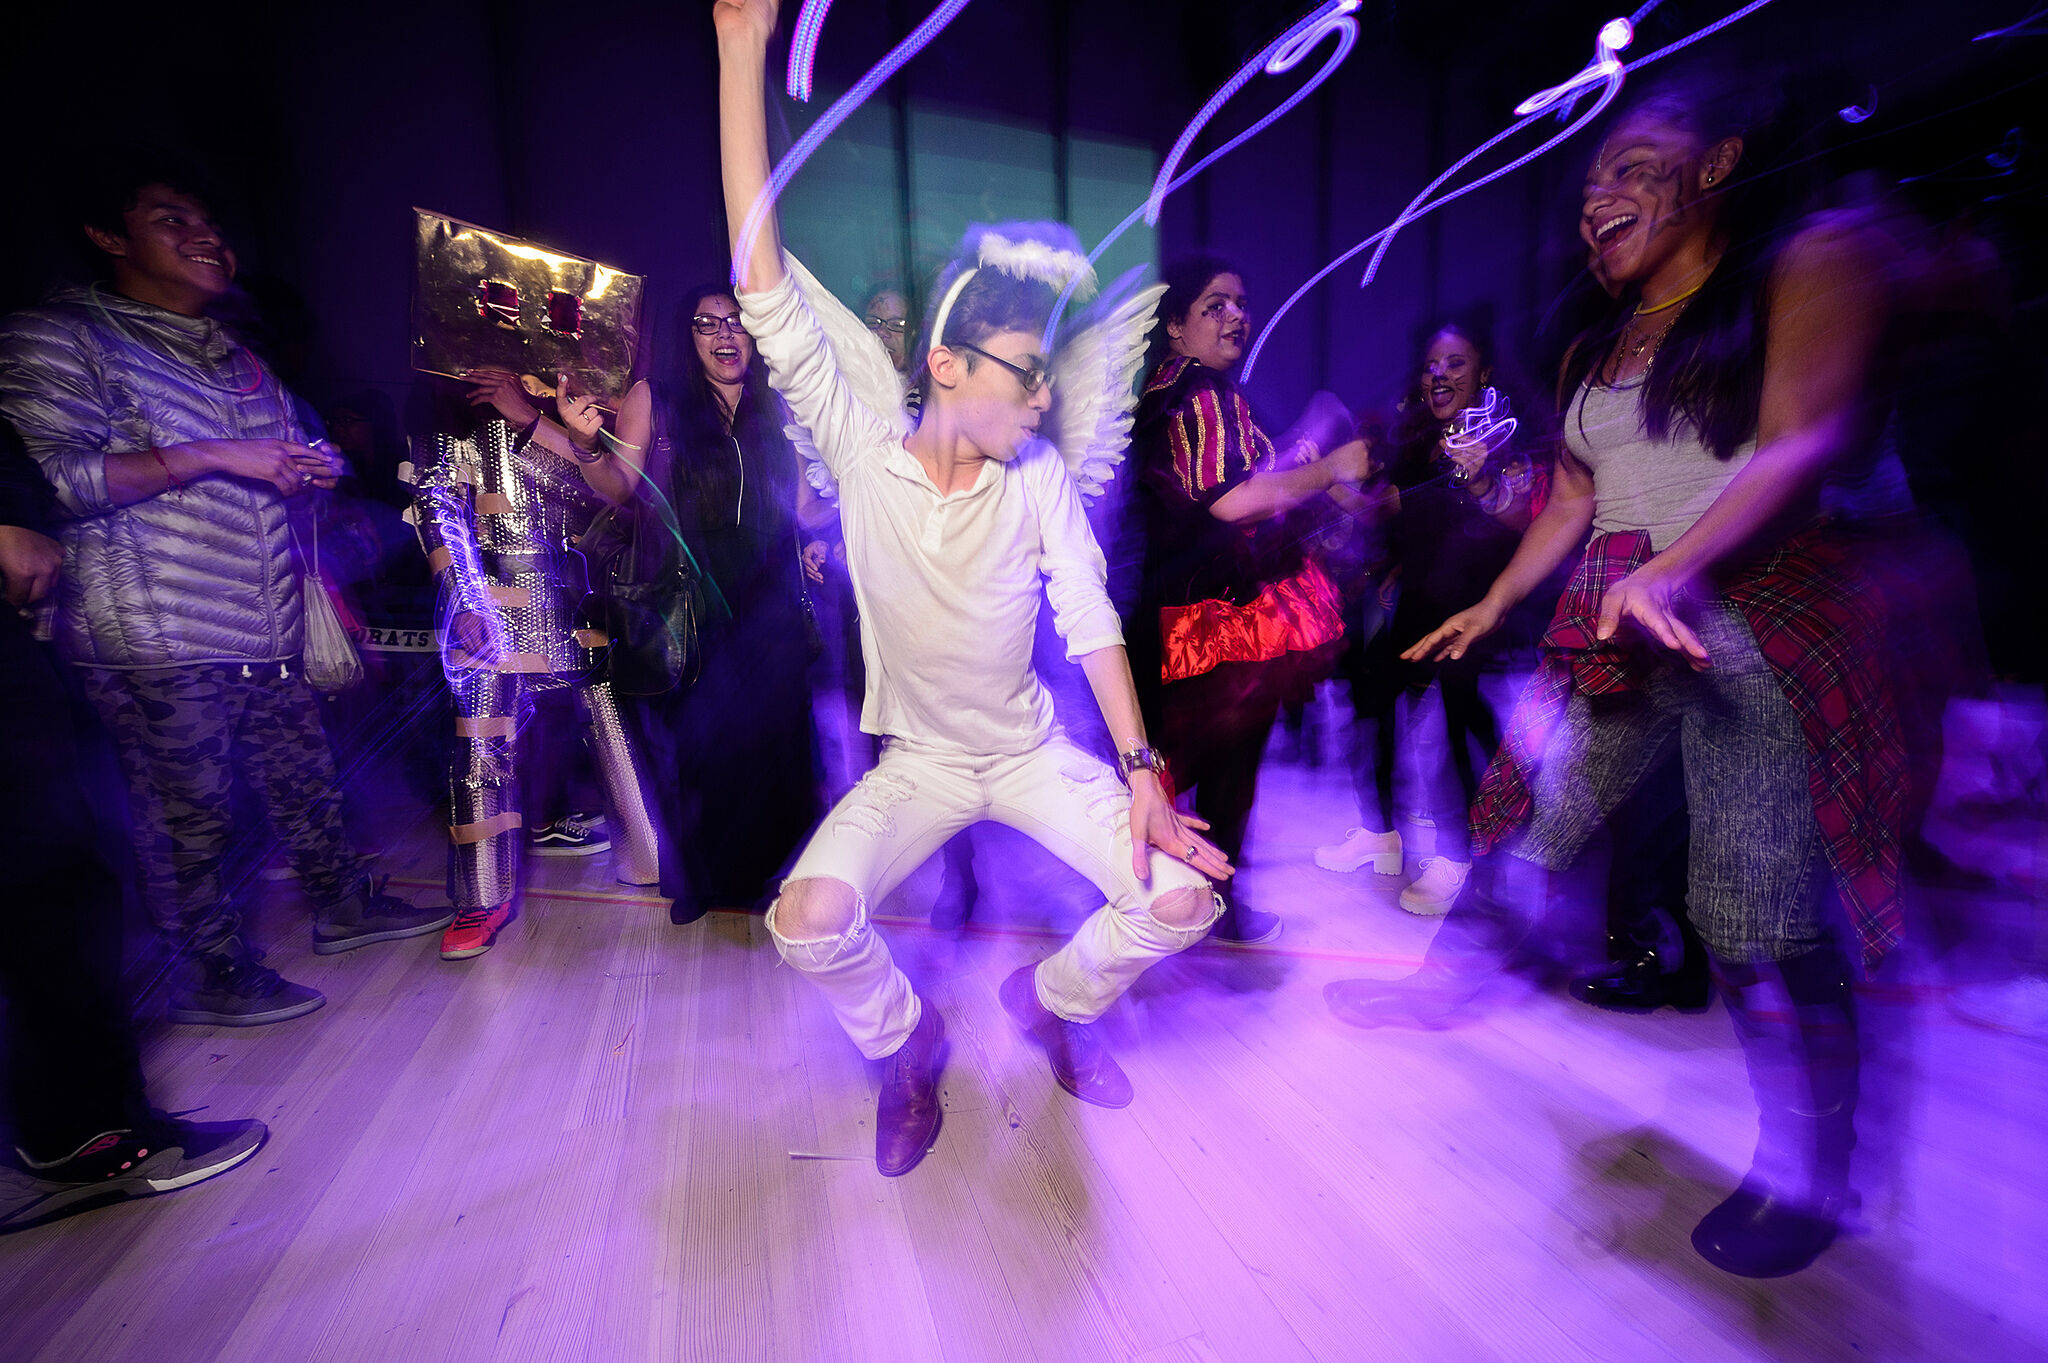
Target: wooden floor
(614, 1139)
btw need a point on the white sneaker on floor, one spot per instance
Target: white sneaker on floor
(1432, 893)
(2016, 1005)
(1362, 845)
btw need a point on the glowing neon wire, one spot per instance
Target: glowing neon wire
(1418, 209)
(1611, 81)
(828, 123)
(1281, 55)
(803, 48)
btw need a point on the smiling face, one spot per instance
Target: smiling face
(1218, 324)
(989, 403)
(1647, 198)
(169, 251)
(728, 351)
(1452, 375)
(887, 316)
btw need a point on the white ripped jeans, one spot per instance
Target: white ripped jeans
(911, 803)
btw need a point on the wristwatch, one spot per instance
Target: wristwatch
(1140, 756)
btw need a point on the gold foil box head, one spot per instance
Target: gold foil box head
(484, 300)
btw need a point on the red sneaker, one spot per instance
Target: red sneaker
(473, 932)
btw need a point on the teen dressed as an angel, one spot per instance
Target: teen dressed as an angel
(953, 530)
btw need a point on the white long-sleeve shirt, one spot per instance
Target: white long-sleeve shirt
(948, 586)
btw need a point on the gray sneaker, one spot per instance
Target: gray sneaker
(369, 915)
(233, 988)
(160, 1156)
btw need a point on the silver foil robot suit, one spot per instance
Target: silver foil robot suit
(499, 521)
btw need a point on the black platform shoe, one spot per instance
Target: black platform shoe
(1642, 985)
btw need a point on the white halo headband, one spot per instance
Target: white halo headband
(1026, 259)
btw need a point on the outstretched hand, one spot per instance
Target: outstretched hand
(1454, 636)
(1156, 823)
(1648, 599)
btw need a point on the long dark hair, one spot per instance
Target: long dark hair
(1709, 368)
(704, 472)
(1185, 279)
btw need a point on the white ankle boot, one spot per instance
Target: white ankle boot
(1360, 846)
(1437, 887)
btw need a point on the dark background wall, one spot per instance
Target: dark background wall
(591, 128)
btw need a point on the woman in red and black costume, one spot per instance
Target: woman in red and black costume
(1736, 365)
(1231, 616)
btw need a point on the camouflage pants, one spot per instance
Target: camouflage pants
(185, 735)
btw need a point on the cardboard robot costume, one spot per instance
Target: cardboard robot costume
(499, 519)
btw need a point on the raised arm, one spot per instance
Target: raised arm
(744, 28)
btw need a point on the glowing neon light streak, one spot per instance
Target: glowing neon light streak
(1278, 57)
(1604, 71)
(1614, 35)
(828, 123)
(1605, 47)
(2028, 27)
(1419, 208)
(803, 48)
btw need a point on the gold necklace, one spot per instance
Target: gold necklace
(1642, 311)
(1648, 342)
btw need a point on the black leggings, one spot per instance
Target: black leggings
(1214, 734)
(1378, 678)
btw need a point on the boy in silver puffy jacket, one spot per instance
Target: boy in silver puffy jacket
(175, 455)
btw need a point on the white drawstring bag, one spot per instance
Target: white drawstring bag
(330, 662)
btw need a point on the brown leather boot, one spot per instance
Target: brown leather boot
(908, 1115)
(1081, 1063)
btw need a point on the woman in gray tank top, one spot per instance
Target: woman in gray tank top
(1713, 612)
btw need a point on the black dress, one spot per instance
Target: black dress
(735, 754)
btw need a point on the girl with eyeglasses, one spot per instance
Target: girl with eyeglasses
(734, 754)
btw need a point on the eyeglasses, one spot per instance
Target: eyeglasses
(899, 325)
(706, 325)
(1033, 379)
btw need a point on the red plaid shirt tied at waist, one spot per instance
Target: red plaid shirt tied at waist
(1818, 626)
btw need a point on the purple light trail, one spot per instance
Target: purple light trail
(1280, 56)
(828, 122)
(803, 48)
(1605, 70)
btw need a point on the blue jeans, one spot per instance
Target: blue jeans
(1757, 872)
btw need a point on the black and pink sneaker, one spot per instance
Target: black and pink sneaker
(161, 1156)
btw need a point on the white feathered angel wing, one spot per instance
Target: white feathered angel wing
(863, 363)
(1095, 377)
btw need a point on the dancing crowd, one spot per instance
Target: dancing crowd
(1689, 553)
